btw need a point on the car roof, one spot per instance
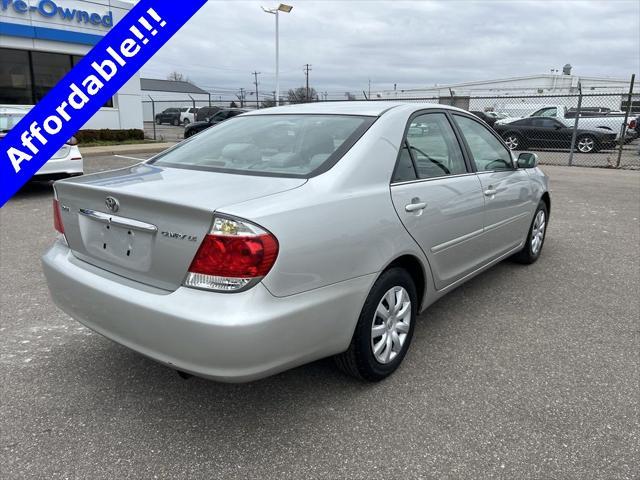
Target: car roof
(23, 110)
(373, 108)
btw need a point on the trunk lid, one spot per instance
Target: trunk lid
(158, 218)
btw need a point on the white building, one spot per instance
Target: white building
(41, 40)
(608, 92)
(160, 94)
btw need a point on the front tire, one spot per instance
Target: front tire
(158, 121)
(384, 330)
(587, 144)
(535, 239)
(186, 122)
(176, 122)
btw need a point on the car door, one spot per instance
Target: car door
(526, 130)
(438, 198)
(508, 205)
(168, 114)
(548, 132)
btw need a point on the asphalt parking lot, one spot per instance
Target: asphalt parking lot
(524, 372)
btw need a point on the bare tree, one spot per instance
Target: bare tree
(177, 77)
(299, 95)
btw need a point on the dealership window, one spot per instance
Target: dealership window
(15, 77)
(26, 77)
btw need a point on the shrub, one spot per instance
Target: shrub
(85, 136)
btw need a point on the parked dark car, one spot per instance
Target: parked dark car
(541, 132)
(217, 117)
(169, 115)
(205, 113)
(488, 117)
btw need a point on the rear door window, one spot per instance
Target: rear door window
(434, 147)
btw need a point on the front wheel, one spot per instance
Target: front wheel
(186, 122)
(158, 121)
(587, 144)
(535, 239)
(176, 122)
(384, 329)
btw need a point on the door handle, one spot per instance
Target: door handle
(490, 192)
(414, 207)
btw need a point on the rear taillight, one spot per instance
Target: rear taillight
(57, 217)
(234, 255)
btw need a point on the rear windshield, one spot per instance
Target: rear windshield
(278, 145)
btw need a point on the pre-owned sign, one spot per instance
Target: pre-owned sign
(49, 9)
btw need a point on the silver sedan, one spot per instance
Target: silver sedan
(290, 234)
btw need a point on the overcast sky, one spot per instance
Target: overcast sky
(411, 43)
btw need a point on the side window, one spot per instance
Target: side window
(487, 151)
(546, 112)
(525, 122)
(549, 123)
(404, 169)
(434, 146)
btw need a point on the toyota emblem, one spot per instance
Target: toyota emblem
(112, 204)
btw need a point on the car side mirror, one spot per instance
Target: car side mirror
(527, 160)
(72, 141)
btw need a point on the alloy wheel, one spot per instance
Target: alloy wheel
(586, 144)
(537, 232)
(512, 142)
(390, 324)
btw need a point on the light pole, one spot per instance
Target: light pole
(274, 11)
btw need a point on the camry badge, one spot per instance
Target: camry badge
(112, 204)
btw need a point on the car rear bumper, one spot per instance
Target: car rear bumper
(230, 337)
(61, 167)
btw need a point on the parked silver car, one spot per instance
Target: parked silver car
(289, 234)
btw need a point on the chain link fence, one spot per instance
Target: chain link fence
(591, 129)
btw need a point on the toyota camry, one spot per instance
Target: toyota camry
(290, 234)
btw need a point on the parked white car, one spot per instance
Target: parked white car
(67, 162)
(610, 122)
(188, 115)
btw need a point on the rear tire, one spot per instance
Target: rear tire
(535, 239)
(379, 344)
(176, 122)
(186, 122)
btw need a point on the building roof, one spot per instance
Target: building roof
(157, 85)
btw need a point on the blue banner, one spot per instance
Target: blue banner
(87, 87)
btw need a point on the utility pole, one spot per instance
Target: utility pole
(307, 68)
(255, 74)
(242, 98)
